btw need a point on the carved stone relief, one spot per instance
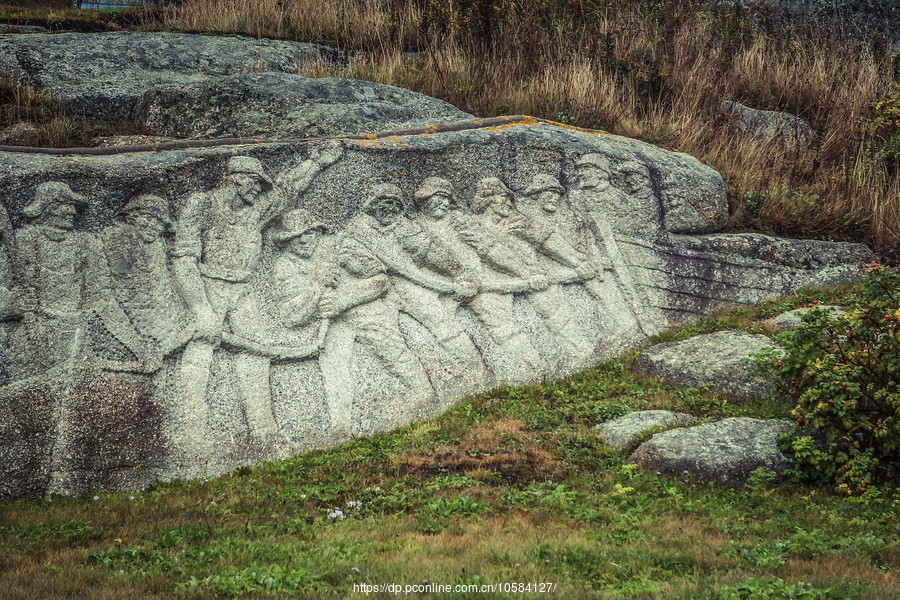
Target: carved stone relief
(384, 304)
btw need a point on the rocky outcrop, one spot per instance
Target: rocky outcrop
(620, 432)
(769, 125)
(725, 452)
(792, 318)
(306, 293)
(851, 20)
(715, 361)
(104, 75)
(284, 106)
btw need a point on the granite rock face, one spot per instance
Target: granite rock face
(284, 106)
(718, 360)
(792, 318)
(105, 74)
(768, 125)
(619, 432)
(851, 20)
(724, 452)
(212, 306)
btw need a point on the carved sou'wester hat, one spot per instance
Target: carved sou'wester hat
(384, 191)
(52, 192)
(488, 188)
(295, 223)
(250, 166)
(149, 204)
(542, 183)
(431, 186)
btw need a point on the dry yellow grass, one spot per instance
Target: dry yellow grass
(642, 68)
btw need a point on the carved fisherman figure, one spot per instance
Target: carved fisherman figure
(496, 271)
(544, 203)
(592, 198)
(137, 254)
(542, 251)
(218, 243)
(338, 282)
(422, 271)
(60, 279)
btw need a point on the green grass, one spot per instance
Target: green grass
(510, 486)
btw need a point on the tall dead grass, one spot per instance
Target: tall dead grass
(642, 68)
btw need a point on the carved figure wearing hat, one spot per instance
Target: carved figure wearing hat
(337, 283)
(607, 209)
(218, 243)
(496, 271)
(421, 269)
(60, 278)
(542, 253)
(137, 255)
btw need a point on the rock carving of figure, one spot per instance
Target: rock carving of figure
(544, 202)
(496, 271)
(218, 243)
(543, 251)
(60, 280)
(137, 254)
(337, 281)
(591, 198)
(420, 267)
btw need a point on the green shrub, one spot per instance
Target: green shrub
(882, 123)
(844, 373)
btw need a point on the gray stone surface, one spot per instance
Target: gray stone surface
(718, 360)
(849, 20)
(283, 106)
(620, 432)
(12, 28)
(185, 287)
(724, 452)
(766, 125)
(17, 133)
(793, 318)
(106, 74)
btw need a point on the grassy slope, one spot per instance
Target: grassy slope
(511, 486)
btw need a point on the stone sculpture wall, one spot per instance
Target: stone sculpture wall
(173, 314)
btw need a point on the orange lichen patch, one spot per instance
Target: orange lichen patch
(503, 446)
(367, 144)
(519, 121)
(370, 136)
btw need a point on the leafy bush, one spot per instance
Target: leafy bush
(844, 372)
(882, 122)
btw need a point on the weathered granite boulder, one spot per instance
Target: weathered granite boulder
(284, 106)
(718, 360)
(767, 125)
(105, 74)
(724, 452)
(235, 303)
(6, 28)
(620, 432)
(18, 133)
(792, 318)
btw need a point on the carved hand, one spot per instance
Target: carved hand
(328, 154)
(538, 283)
(208, 325)
(464, 290)
(329, 305)
(586, 271)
